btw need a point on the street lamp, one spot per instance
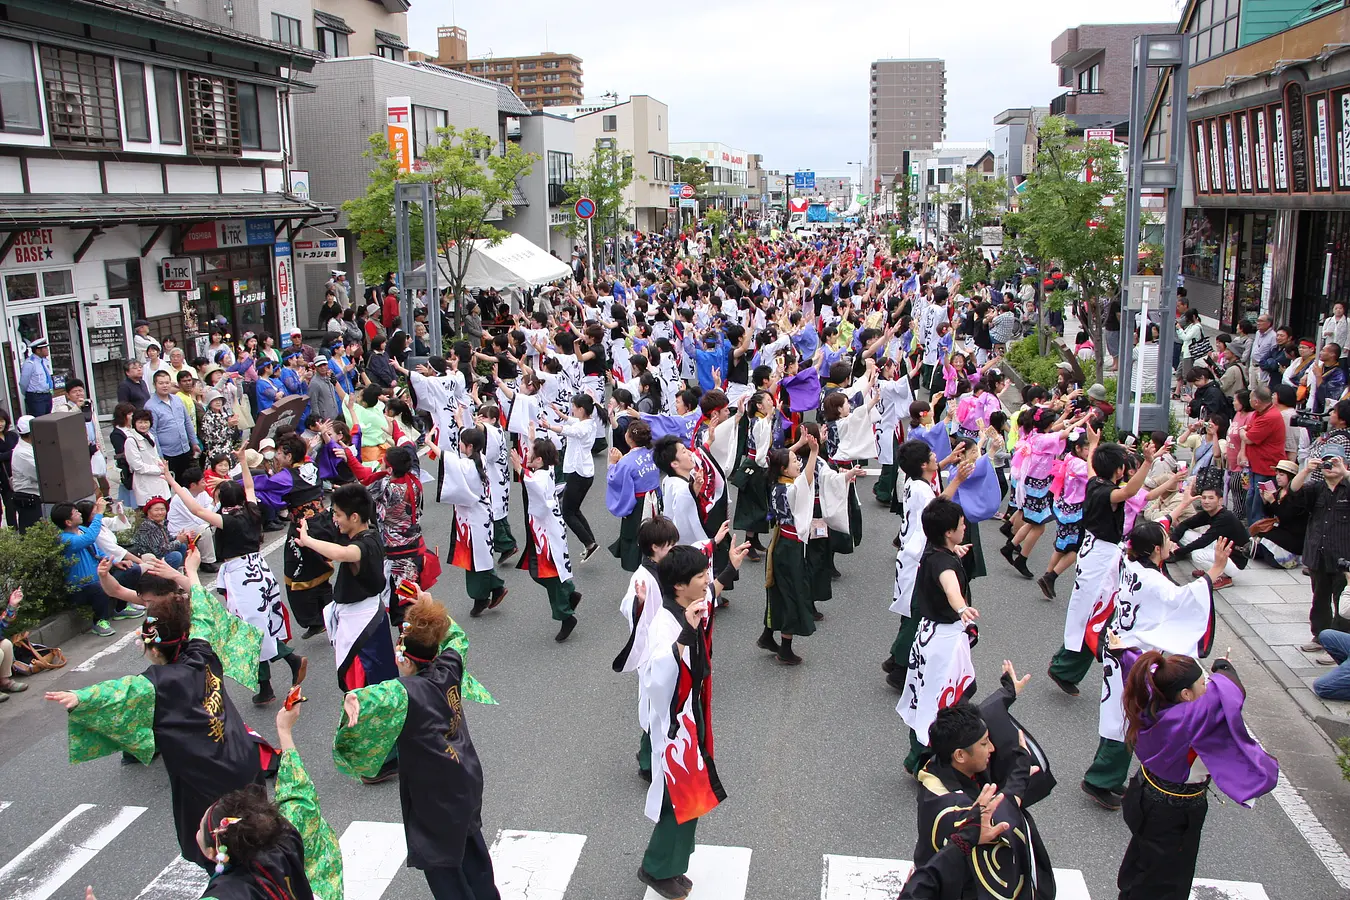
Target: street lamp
(859, 165)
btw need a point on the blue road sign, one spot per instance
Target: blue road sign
(804, 181)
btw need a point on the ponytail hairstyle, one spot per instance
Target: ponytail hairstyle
(168, 618)
(231, 496)
(1145, 537)
(755, 400)
(779, 459)
(917, 410)
(544, 451)
(653, 386)
(476, 440)
(990, 381)
(1154, 681)
(1077, 440)
(425, 625)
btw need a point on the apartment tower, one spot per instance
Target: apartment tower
(541, 81)
(907, 111)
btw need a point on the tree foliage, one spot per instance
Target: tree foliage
(472, 184)
(984, 200)
(690, 170)
(1056, 209)
(603, 177)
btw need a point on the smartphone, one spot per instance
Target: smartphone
(1268, 486)
(1182, 467)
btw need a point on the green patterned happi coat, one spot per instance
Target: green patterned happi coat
(298, 802)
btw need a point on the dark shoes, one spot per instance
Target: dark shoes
(896, 678)
(387, 771)
(1006, 529)
(575, 600)
(208, 568)
(671, 888)
(497, 597)
(787, 657)
(889, 665)
(479, 607)
(568, 624)
(589, 552)
(1067, 687)
(265, 694)
(507, 554)
(766, 642)
(1047, 584)
(312, 631)
(1107, 800)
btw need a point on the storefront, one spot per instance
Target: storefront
(1227, 264)
(235, 265)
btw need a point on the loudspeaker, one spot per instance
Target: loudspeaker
(61, 448)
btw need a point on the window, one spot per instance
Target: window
(134, 105)
(331, 42)
(124, 280)
(81, 98)
(286, 30)
(18, 89)
(213, 115)
(559, 167)
(527, 65)
(388, 52)
(425, 122)
(609, 123)
(58, 283)
(166, 106)
(551, 65)
(259, 125)
(658, 123)
(1088, 80)
(1213, 28)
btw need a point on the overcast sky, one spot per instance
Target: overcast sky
(788, 78)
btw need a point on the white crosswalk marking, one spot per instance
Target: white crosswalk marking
(1070, 885)
(718, 873)
(47, 863)
(372, 854)
(5, 804)
(1211, 889)
(179, 880)
(535, 865)
(862, 878)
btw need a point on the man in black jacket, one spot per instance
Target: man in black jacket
(133, 388)
(1328, 539)
(1209, 397)
(1219, 522)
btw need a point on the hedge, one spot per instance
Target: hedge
(35, 562)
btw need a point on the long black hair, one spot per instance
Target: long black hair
(476, 439)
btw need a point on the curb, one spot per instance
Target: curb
(1331, 727)
(60, 628)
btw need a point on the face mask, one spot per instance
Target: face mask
(270, 455)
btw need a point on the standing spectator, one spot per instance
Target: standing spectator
(9, 440)
(1328, 376)
(1336, 329)
(323, 400)
(379, 369)
(1111, 330)
(1189, 333)
(298, 345)
(1328, 539)
(1003, 328)
(1242, 344)
(143, 459)
(330, 311)
(35, 377)
(1263, 341)
(473, 325)
(1295, 437)
(1276, 359)
(1262, 446)
(27, 498)
(218, 426)
(1209, 397)
(142, 339)
(338, 285)
(389, 308)
(174, 431)
(1183, 307)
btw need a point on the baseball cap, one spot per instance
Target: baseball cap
(295, 331)
(320, 361)
(1065, 366)
(24, 425)
(267, 444)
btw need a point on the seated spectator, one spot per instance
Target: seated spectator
(152, 537)
(7, 683)
(126, 566)
(1217, 522)
(1334, 685)
(217, 470)
(1164, 467)
(79, 543)
(181, 521)
(1278, 538)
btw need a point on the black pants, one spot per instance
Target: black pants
(307, 605)
(180, 464)
(473, 880)
(1326, 601)
(573, 494)
(28, 511)
(1159, 863)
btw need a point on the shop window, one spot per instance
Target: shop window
(426, 124)
(18, 89)
(167, 110)
(53, 283)
(213, 115)
(259, 122)
(134, 103)
(58, 283)
(81, 98)
(23, 286)
(1200, 244)
(124, 282)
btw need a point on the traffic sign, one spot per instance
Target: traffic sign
(675, 188)
(804, 181)
(687, 192)
(585, 208)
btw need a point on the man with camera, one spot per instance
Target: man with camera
(1336, 437)
(1328, 540)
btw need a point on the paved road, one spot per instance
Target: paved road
(810, 757)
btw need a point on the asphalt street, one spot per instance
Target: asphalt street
(810, 756)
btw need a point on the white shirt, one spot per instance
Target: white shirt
(1336, 331)
(577, 459)
(107, 542)
(181, 519)
(23, 467)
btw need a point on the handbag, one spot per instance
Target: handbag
(31, 658)
(1200, 348)
(1261, 526)
(741, 475)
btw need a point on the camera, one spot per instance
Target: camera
(1315, 423)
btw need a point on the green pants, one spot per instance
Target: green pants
(481, 585)
(265, 666)
(1071, 665)
(503, 541)
(559, 596)
(904, 639)
(916, 752)
(884, 489)
(671, 844)
(644, 754)
(1110, 767)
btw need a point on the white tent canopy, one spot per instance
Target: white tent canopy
(515, 263)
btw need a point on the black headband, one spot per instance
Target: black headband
(1188, 675)
(975, 730)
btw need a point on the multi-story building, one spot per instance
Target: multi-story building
(546, 216)
(1267, 186)
(1015, 143)
(145, 172)
(638, 128)
(542, 81)
(351, 101)
(1095, 62)
(728, 185)
(907, 111)
(834, 187)
(945, 207)
(754, 174)
(332, 27)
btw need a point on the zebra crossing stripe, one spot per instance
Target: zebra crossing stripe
(1070, 885)
(50, 861)
(1212, 889)
(5, 804)
(718, 873)
(179, 880)
(862, 878)
(372, 854)
(534, 865)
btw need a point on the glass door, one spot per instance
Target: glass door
(25, 326)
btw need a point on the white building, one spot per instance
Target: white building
(544, 220)
(728, 171)
(638, 128)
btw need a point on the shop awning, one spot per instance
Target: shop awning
(86, 210)
(514, 263)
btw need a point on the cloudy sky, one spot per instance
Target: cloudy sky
(788, 78)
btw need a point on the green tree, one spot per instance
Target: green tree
(603, 177)
(690, 170)
(472, 182)
(902, 199)
(983, 198)
(1071, 222)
